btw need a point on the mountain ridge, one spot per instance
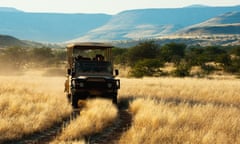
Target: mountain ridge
(150, 23)
(126, 25)
(228, 23)
(9, 9)
(9, 41)
(49, 27)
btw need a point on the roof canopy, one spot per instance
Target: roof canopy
(89, 45)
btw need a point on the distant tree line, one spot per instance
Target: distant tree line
(19, 58)
(147, 58)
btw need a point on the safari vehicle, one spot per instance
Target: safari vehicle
(90, 72)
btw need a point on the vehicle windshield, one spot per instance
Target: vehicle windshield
(93, 67)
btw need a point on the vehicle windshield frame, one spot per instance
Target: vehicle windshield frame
(85, 67)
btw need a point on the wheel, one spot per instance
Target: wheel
(74, 101)
(114, 99)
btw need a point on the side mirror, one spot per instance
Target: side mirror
(73, 73)
(116, 72)
(68, 71)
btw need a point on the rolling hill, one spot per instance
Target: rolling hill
(151, 23)
(127, 25)
(48, 27)
(9, 41)
(221, 30)
(228, 23)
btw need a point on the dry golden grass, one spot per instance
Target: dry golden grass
(173, 110)
(184, 89)
(165, 110)
(160, 122)
(30, 103)
(93, 118)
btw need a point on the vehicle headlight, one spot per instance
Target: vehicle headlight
(73, 83)
(109, 85)
(81, 84)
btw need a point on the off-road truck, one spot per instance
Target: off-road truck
(90, 72)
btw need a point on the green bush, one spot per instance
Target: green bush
(182, 70)
(14, 57)
(144, 50)
(172, 52)
(233, 67)
(208, 69)
(146, 67)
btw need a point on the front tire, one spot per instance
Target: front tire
(74, 101)
(114, 99)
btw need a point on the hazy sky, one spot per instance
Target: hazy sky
(105, 6)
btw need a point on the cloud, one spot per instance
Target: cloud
(105, 6)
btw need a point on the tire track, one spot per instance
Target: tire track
(112, 134)
(47, 135)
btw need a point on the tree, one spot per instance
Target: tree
(211, 53)
(172, 52)
(146, 67)
(182, 70)
(59, 56)
(200, 56)
(119, 55)
(234, 67)
(193, 56)
(224, 59)
(17, 57)
(42, 56)
(144, 50)
(235, 51)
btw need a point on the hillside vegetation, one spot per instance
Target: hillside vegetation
(151, 59)
(148, 58)
(17, 59)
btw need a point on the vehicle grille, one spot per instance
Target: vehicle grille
(95, 85)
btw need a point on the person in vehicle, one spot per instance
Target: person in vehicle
(99, 57)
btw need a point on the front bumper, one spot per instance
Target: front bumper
(95, 87)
